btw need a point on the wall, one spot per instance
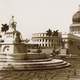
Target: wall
(74, 46)
(20, 48)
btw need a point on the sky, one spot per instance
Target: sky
(34, 16)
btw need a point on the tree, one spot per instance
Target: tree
(55, 33)
(39, 51)
(49, 32)
(5, 27)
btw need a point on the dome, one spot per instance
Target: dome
(76, 17)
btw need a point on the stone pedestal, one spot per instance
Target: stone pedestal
(31, 61)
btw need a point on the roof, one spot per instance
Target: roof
(76, 17)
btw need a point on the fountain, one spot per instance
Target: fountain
(14, 54)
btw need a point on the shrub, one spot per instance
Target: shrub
(39, 51)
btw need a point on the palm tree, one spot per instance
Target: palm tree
(55, 33)
(5, 27)
(49, 32)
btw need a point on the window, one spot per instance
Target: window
(52, 45)
(40, 44)
(46, 40)
(0, 36)
(49, 45)
(40, 40)
(46, 45)
(43, 34)
(43, 40)
(1, 40)
(7, 49)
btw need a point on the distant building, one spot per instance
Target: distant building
(46, 41)
(72, 39)
(65, 41)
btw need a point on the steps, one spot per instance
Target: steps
(8, 62)
(34, 65)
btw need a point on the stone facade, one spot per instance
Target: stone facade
(74, 37)
(46, 41)
(11, 43)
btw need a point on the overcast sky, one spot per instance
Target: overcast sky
(39, 15)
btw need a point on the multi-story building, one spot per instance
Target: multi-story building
(72, 39)
(46, 41)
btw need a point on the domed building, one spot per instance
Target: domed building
(74, 35)
(75, 26)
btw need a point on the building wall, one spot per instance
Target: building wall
(7, 48)
(74, 46)
(71, 43)
(20, 48)
(45, 41)
(13, 48)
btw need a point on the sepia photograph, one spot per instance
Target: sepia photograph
(39, 39)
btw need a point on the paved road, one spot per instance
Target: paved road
(34, 75)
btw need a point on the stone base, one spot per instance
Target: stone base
(30, 61)
(40, 65)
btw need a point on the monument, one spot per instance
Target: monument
(14, 54)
